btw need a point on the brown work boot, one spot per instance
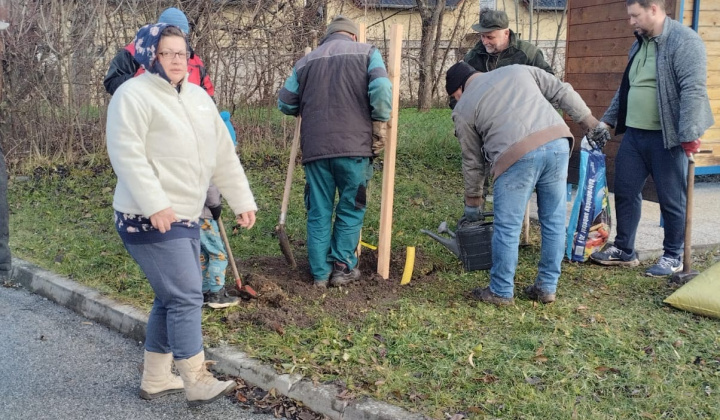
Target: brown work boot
(533, 293)
(342, 275)
(487, 296)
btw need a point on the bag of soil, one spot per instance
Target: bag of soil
(590, 220)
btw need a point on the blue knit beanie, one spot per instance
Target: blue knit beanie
(175, 17)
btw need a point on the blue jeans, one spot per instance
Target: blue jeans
(545, 171)
(643, 153)
(213, 257)
(328, 242)
(173, 270)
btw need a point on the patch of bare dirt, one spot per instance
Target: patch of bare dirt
(287, 296)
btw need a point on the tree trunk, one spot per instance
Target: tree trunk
(430, 17)
(451, 42)
(557, 35)
(530, 10)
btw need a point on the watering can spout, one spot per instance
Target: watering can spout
(450, 244)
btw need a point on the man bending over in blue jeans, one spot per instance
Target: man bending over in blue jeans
(506, 116)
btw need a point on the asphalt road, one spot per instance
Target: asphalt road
(55, 364)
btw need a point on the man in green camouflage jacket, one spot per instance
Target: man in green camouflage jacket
(499, 46)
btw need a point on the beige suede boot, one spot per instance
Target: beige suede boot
(158, 379)
(201, 387)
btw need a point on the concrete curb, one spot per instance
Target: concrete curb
(129, 321)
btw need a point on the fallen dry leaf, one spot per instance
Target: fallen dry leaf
(540, 359)
(603, 369)
(581, 308)
(275, 326)
(346, 395)
(489, 379)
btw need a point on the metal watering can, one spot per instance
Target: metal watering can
(471, 242)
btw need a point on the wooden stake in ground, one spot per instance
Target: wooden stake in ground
(361, 38)
(388, 184)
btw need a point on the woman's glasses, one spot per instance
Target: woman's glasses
(169, 55)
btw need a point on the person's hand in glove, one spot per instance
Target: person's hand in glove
(379, 134)
(588, 123)
(472, 213)
(691, 147)
(215, 211)
(599, 136)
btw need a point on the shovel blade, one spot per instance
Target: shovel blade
(245, 291)
(285, 245)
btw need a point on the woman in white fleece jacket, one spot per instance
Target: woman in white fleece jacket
(167, 142)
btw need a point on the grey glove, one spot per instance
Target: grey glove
(598, 136)
(379, 134)
(472, 214)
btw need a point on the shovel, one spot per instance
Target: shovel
(280, 228)
(687, 272)
(243, 290)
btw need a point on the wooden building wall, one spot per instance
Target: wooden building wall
(709, 30)
(599, 37)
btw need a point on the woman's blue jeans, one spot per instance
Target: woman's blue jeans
(173, 270)
(545, 171)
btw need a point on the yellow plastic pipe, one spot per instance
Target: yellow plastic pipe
(409, 265)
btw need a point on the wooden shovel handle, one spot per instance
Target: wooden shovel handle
(687, 253)
(223, 235)
(291, 168)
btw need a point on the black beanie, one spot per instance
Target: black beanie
(457, 75)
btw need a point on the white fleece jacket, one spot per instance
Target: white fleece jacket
(166, 147)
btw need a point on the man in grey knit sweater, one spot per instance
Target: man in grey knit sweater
(662, 107)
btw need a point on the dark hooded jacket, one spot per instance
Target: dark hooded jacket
(518, 52)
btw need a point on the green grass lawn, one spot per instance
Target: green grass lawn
(607, 349)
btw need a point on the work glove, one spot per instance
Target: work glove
(215, 211)
(598, 136)
(379, 134)
(472, 213)
(691, 147)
